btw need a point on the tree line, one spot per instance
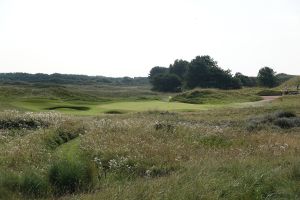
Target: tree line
(15, 78)
(204, 72)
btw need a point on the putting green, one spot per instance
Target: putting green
(152, 105)
(96, 108)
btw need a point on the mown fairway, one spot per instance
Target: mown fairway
(143, 147)
(94, 108)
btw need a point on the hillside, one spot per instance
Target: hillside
(214, 96)
(291, 83)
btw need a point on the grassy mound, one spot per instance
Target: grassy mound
(291, 83)
(214, 96)
(269, 93)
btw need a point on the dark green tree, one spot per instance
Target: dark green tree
(156, 71)
(198, 72)
(266, 77)
(179, 67)
(166, 83)
(246, 80)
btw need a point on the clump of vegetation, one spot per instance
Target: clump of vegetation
(65, 132)
(9, 184)
(169, 127)
(27, 120)
(252, 186)
(286, 114)
(68, 177)
(122, 166)
(29, 184)
(33, 185)
(282, 119)
(269, 93)
(287, 122)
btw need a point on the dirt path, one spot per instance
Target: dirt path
(269, 98)
(265, 99)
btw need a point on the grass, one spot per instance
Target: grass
(213, 96)
(117, 100)
(291, 84)
(148, 148)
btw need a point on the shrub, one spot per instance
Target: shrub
(19, 124)
(287, 114)
(253, 125)
(28, 120)
(33, 185)
(287, 122)
(283, 119)
(69, 176)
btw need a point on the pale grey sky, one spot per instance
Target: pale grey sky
(129, 37)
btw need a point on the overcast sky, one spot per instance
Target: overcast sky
(129, 37)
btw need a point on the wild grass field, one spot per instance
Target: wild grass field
(132, 143)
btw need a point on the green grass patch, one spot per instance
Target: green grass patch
(216, 141)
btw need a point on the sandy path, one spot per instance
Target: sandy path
(269, 98)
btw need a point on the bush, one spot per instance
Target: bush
(33, 185)
(17, 120)
(287, 122)
(253, 125)
(287, 114)
(283, 119)
(69, 177)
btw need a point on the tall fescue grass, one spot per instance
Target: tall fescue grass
(68, 177)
